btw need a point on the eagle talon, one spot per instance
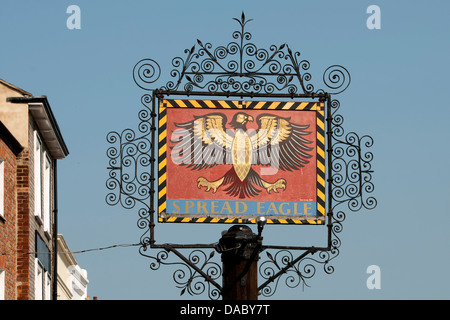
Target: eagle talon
(279, 184)
(202, 182)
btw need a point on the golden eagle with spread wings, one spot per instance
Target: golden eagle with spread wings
(205, 142)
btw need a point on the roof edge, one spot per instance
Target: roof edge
(13, 87)
(64, 249)
(48, 110)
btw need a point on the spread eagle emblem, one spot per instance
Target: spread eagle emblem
(205, 142)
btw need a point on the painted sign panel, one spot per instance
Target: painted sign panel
(233, 161)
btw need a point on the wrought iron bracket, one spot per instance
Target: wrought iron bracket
(239, 69)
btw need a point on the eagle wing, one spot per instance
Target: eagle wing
(281, 143)
(202, 142)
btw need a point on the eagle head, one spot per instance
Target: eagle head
(240, 119)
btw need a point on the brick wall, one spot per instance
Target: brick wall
(8, 226)
(23, 225)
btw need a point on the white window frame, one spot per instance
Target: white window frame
(38, 281)
(47, 194)
(2, 284)
(2, 188)
(48, 285)
(37, 176)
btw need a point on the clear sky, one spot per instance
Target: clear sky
(398, 95)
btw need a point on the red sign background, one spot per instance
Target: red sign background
(301, 185)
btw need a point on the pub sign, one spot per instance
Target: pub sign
(234, 161)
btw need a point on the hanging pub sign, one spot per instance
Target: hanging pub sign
(234, 161)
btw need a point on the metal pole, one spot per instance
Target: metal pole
(55, 234)
(240, 253)
(329, 133)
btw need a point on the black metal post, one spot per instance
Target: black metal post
(240, 253)
(329, 120)
(55, 234)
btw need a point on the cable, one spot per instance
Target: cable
(74, 252)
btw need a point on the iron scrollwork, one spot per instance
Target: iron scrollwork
(130, 157)
(239, 69)
(295, 271)
(192, 271)
(351, 165)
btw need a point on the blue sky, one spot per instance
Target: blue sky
(398, 95)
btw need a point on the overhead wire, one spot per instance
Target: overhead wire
(73, 252)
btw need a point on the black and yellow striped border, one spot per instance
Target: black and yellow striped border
(256, 105)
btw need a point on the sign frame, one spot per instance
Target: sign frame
(275, 107)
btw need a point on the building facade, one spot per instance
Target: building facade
(28, 250)
(72, 279)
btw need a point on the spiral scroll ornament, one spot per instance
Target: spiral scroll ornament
(146, 72)
(337, 79)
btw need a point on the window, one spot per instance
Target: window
(37, 176)
(2, 188)
(43, 266)
(39, 281)
(2, 284)
(42, 283)
(47, 192)
(48, 285)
